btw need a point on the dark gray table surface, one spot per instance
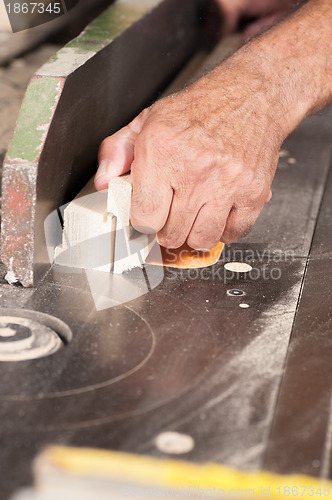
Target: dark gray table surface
(251, 385)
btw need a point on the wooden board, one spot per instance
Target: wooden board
(88, 233)
(130, 247)
(82, 95)
(97, 233)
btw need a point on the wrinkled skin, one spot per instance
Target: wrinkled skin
(202, 160)
(197, 176)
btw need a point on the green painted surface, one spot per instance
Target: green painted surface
(110, 24)
(67, 60)
(101, 32)
(42, 94)
(85, 48)
(34, 119)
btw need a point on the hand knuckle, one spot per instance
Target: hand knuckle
(261, 188)
(255, 194)
(238, 170)
(201, 243)
(144, 203)
(170, 241)
(204, 236)
(141, 209)
(232, 234)
(227, 238)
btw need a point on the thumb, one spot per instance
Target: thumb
(116, 153)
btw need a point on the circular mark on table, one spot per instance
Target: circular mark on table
(27, 335)
(174, 443)
(244, 306)
(22, 339)
(119, 363)
(235, 293)
(238, 267)
(94, 359)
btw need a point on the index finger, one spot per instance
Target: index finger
(151, 196)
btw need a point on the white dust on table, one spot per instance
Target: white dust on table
(283, 153)
(174, 443)
(238, 267)
(10, 276)
(243, 389)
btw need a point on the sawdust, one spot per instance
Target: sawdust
(174, 443)
(10, 276)
(283, 153)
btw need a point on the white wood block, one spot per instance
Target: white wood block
(97, 233)
(119, 198)
(131, 247)
(88, 233)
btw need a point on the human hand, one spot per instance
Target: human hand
(202, 161)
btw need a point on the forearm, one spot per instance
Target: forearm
(292, 63)
(301, 49)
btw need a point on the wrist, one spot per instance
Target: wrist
(287, 97)
(293, 62)
(300, 50)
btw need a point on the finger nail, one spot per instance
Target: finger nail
(103, 169)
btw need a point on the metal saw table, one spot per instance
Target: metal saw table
(241, 364)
